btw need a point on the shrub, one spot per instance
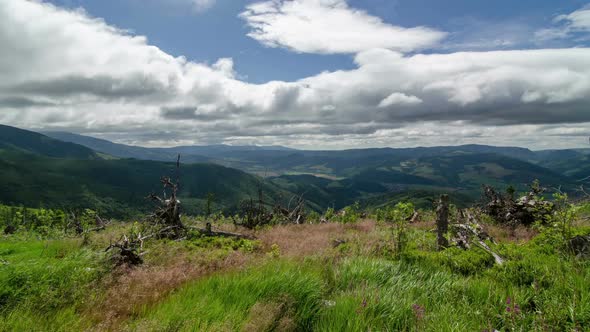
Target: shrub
(399, 215)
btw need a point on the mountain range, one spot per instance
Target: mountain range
(65, 169)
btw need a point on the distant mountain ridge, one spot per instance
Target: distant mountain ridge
(32, 142)
(39, 170)
(276, 161)
(274, 154)
(36, 170)
(190, 153)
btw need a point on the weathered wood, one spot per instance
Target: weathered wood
(497, 258)
(442, 222)
(471, 232)
(129, 250)
(207, 231)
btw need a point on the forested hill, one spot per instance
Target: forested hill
(36, 170)
(12, 138)
(119, 187)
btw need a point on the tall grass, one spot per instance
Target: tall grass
(290, 292)
(42, 282)
(45, 285)
(380, 294)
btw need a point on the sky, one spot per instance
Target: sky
(310, 74)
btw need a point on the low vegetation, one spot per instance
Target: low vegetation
(349, 270)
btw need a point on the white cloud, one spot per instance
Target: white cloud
(330, 26)
(65, 70)
(567, 25)
(580, 19)
(397, 98)
(202, 5)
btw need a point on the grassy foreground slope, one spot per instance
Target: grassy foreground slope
(298, 278)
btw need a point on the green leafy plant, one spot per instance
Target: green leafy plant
(398, 215)
(349, 214)
(563, 217)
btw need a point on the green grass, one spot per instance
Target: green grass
(225, 301)
(43, 282)
(379, 294)
(49, 285)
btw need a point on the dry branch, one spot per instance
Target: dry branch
(129, 250)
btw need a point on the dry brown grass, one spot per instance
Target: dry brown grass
(306, 240)
(128, 290)
(424, 225)
(519, 234)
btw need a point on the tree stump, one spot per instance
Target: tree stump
(442, 222)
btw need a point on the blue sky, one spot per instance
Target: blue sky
(312, 74)
(218, 32)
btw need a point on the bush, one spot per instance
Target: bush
(399, 215)
(349, 214)
(394, 214)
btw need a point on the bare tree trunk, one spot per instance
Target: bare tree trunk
(442, 221)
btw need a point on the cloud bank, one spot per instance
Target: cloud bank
(65, 70)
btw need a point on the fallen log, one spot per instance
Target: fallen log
(470, 231)
(209, 232)
(497, 258)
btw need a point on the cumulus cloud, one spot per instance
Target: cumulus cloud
(567, 25)
(330, 26)
(65, 70)
(397, 98)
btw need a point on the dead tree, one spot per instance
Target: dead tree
(254, 214)
(415, 217)
(259, 213)
(295, 214)
(75, 223)
(164, 222)
(130, 250)
(442, 222)
(468, 232)
(507, 210)
(99, 224)
(166, 218)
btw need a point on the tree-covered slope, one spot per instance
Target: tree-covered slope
(417, 178)
(118, 187)
(12, 138)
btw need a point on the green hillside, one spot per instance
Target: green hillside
(577, 166)
(118, 187)
(12, 138)
(416, 179)
(41, 171)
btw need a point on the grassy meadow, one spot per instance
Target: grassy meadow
(346, 275)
